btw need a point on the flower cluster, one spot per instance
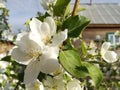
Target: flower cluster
(39, 48)
(62, 81)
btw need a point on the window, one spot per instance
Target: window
(115, 40)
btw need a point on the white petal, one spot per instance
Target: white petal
(105, 47)
(36, 85)
(51, 24)
(49, 81)
(74, 85)
(3, 66)
(51, 52)
(31, 72)
(110, 56)
(35, 34)
(59, 38)
(20, 35)
(36, 39)
(29, 46)
(45, 30)
(19, 56)
(49, 65)
(48, 61)
(35, 25)
(2, 55)
(45, 4)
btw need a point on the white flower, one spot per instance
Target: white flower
(46, 31)
(117, 33)
(39, 49)
(92, 48)
(74, 85)
(36, 85)
(10, 37)
(47, 3)
(2, 4)
(3, 66)
(3, 78)
(2, 55)
(38, 59)
(107, 55)
(5, 34)
(54, 83)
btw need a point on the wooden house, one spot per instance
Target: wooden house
(105, 20)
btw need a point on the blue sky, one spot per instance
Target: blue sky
(22, 10)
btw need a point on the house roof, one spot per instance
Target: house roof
(102, 13)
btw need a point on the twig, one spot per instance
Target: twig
(75, 7)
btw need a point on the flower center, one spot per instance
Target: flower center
(47, 40)
(35, 55)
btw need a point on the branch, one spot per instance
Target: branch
(75, 7)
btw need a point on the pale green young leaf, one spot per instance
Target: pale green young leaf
(71, 61)
(83, 48)
(94, 72)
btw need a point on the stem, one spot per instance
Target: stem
(75, 7)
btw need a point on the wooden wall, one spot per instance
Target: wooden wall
(5, 46)
(99, 29)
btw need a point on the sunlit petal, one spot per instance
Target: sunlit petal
(45, 4)
(27, 45)
(59, 38)
(35, 25)
(105, 47)
(51, 24)
(49, 65)
(19, 56)
(36, 85)
(37, 39)
(49, 62)
(74, 85)
(3, 66)
(31, 72)
(110, 56)
(45, 30)
(20, 35)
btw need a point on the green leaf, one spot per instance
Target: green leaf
(21, 76)
(41, 76)
(72, 63)
(68, 45)
(60, 7)
(75, 25)
(84, 50)
(94, 72)
(6, 58)
(70, 60)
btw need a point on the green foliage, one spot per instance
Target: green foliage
(72, 63)
(7, 58)
(60, 7)
(68, 45)
(84, 50)
(75, 25)
(41, 76)
(18, 70)
(94, 72)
